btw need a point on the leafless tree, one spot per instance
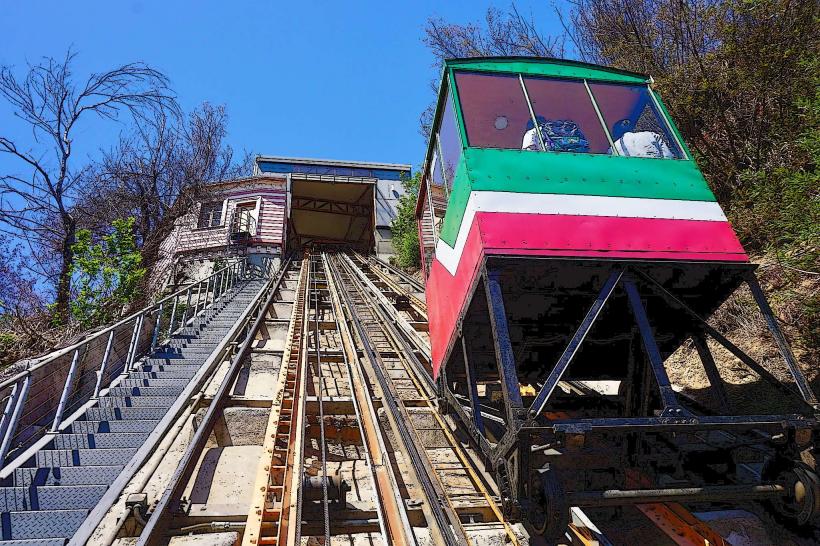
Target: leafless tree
(37, 205)
(157, 172)
(502, 33)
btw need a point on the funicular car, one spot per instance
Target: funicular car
(570, 246)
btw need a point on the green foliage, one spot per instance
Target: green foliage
(404, 227)
(778, 210)
(107, 274)
(8, 346)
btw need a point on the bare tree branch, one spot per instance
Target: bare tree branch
(49, 100)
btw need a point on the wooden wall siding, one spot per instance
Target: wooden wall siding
(270, 219)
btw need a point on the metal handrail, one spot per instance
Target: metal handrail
(41, 413)
(60, 352)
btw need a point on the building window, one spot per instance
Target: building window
(210, 215)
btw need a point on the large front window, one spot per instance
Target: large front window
(633, 119)
(563, 115)
(494, 109)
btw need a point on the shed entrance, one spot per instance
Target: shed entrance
(333, 213)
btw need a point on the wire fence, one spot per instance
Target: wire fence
(41, 398)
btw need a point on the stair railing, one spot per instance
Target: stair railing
(36, 400)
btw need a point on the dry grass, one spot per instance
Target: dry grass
(794, 299)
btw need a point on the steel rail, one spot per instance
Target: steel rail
(445, 518)
(369, 431)
(158, 523)
(322, 386)
(418, 376)
(410, 336)
(275, 472)
(313, 301)
(415, 283)
(420, 306)
(298, 471)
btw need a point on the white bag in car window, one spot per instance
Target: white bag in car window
(643, 144)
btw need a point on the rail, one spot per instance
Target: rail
(38, 399)
(244, 332)
(416, 378)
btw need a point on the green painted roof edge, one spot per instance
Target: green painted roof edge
(543, 66)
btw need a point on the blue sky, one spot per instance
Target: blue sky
(339, 80)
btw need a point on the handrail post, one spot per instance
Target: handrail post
(69, 380)
(198, 298)
(7, 411)
(155, 335)
(173, 315)
(137, 331)
(8, 433)
(187, 306)
(207, 291)
(131, 343)
(103, 364)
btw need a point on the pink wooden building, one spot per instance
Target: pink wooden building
(289, 203)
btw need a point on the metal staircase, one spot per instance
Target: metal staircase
(56, 483)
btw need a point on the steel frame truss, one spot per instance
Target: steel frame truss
(525, 424)
(332, 207)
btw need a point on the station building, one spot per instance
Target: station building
(289, 203)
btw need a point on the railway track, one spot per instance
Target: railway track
(355, 447)
(439, 458)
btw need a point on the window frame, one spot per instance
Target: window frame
(454, 94)
(219, 206)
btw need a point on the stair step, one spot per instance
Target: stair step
(171, 368)
(162, 374)
(103, 440)
(68, 475)
(145, 391)
(95, 427)
(34, 542)
(144, 382)
(58, 497)
(84, 457)
(137, 401)
(108, 414)
(42, 524)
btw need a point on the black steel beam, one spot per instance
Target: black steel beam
(785, 351)
(668, 397)
(505, 358)
(331, 207)
(764, 374)
(575, 343)
(719, 389)
(475, 406)
(680, 424)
